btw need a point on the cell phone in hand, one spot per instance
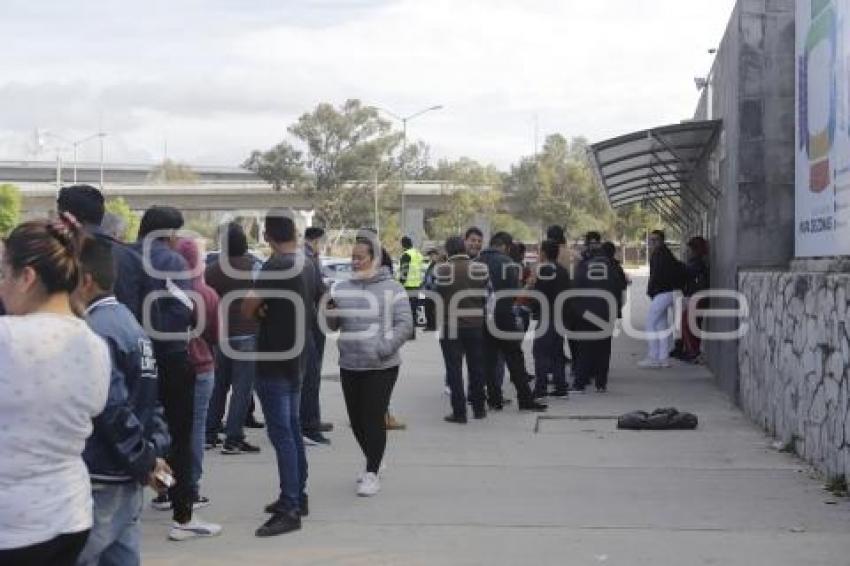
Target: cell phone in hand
(165, 479)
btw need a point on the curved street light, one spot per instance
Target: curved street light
(404, 120)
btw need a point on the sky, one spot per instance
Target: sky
(207, 81)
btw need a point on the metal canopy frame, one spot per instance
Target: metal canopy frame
(659, 168)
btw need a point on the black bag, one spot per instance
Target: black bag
(660, 419)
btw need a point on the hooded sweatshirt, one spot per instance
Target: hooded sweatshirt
(200, 347)
(377, 308)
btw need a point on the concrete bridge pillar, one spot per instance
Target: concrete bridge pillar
(414, 225)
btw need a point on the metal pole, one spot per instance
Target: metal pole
(403, 175)
(377, 216)
(101, 160)
(75, 163)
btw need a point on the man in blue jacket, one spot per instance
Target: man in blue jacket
(129, 438)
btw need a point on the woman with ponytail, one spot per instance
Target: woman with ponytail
(54, 378)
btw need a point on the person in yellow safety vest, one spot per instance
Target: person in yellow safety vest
(411, 265)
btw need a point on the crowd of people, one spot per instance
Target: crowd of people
(121, 363)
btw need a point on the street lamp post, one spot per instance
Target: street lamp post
(74, 145)
(404, 120)
(77, 143)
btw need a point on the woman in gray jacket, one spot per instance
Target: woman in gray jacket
(372, 313)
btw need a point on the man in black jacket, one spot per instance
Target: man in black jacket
(594, 315)
(504, 276)
(87, 205)
(129, 437)
(666, 277)
(551, 279)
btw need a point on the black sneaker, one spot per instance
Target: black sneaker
(559, 394)
(314, 438)
(161, 502)
(239, 447)
(540, 394)
(199, 502)
(274, 507)
(280, 523)
(455, 419)
(532, 406)
(251, 422)
(326, 427)
(211, 441)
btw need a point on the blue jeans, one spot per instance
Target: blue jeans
(238, 376)
(469, 343)
(116, 533)
(280, 398)
(203, 392)
(549, 358)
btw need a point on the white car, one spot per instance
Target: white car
(335, 269)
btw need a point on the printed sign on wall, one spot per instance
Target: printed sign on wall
(823, 128)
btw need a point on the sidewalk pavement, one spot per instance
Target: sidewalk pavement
(575, 492)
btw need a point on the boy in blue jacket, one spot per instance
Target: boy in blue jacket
(124, 452)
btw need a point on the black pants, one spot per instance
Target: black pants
(367, 398)
(468, 343)
(592, 361)
(511, 350)
(311, 414)
(59, 551)
(177, 393)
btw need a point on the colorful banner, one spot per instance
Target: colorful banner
(823, 128)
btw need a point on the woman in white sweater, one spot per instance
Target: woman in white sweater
(54, 378)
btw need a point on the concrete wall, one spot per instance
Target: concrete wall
(752, 91)
(791, 371)
(795, 362)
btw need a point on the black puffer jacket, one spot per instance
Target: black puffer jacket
(596, 272)
(666, 273)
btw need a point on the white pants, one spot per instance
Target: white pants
(657, 322)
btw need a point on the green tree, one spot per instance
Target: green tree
(120, 208)
(172, 172)
(463, 206)
(557, 187)
(469, 172)
(282, 166)
(345, 149)
(10, 208)
(344, 144)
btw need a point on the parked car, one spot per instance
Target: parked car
(335, 269)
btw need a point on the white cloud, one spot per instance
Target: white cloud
(215, 90)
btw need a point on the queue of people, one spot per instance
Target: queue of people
(130, 352)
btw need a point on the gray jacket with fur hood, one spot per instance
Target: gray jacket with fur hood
(374, 319)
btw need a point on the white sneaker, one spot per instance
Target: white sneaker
(663, 363)
(369, 486)
(309, 441)
(362, 474)
(647, 363)
(193, 529)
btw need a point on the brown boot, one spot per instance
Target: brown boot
(393, 423)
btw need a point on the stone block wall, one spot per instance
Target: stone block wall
(794, 363)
